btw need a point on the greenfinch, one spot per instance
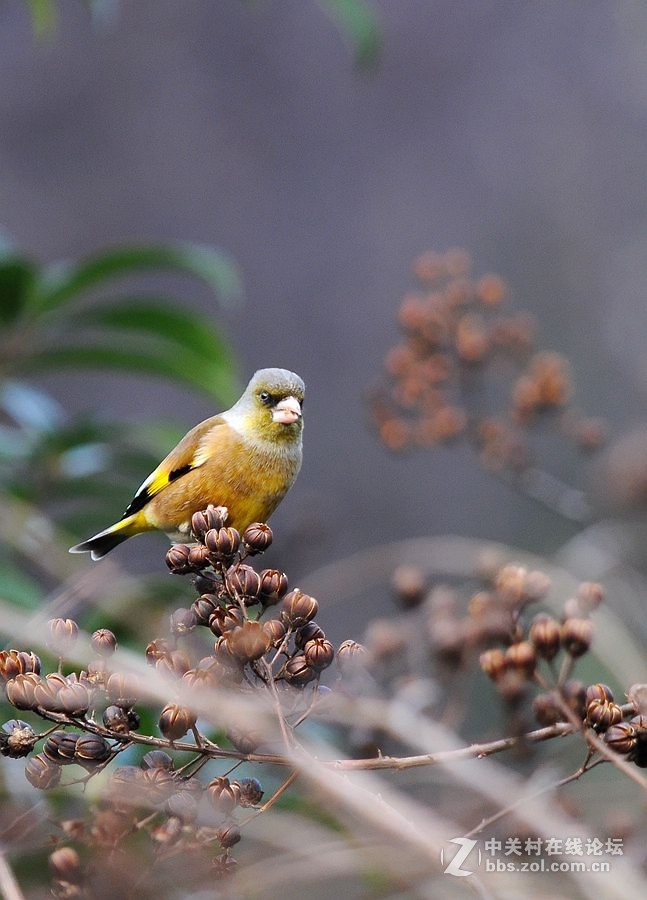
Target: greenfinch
(246, 459)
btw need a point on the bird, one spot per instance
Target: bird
(245, 459)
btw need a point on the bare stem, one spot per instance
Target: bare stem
(272, 800)
(585, 767)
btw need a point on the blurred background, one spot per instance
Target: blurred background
(323, 154)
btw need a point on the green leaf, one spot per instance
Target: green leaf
(17, 277)
(212, 376)
(163, 320)
(357, 22)
(208, 264)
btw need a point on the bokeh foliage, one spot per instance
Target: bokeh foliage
(79, 317)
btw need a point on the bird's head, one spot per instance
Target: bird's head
(271, 406)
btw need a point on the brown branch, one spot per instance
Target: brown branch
(292, 777)
(397, 763)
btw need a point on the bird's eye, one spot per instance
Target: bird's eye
(265, 397)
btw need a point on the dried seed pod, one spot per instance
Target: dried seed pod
(21, 690)
(409, 586)
(244, 741)
(275, 630)
(200, 524)
(350, 654)
(257, 537)
(574, 693)
(47, 689)
(251, 792)
(116, 719)
(576, 636)
(228, 665)
(228, 835)
(224, 794)
(273, 586)
(60, 747)
(204, 607)
(222, 543)
(177, 559)
(159, 784)
(123, 689)
(521, 657)
(493, 663)
(201, 678)
(545, 634)
(298, 609)
(97, 674)
(182, 805)
(207, 582)
(309, 632)
(512, 686)
(103, 641)
(17, 739)
(216, 516)
(546, 710)
(297, 672)
(598, 692)
(225, 618)
(65, 864)
(91, 751)
(62, 635)
(447, 641)
(174, 664)
(601, 714)
(175, 721)
(387, 639)
(127, 777)
(536, 586)
(637, 696)
(248, 642)
(622, 738)
(199, 558)
(510, 583)
(182, 622)
(204, 521)
(318, 653)
(73, 699)
(17, 662)
(243, 581)
(589, 595)
(640, 724)
(41, 773)
(157, 759)
(157, 649)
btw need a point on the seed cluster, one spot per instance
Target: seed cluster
(261, 636)
(456, 329)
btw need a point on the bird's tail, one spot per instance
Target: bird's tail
(107, 540)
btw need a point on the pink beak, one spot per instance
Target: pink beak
(287, 411)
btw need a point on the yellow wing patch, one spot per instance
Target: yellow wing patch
(190, 453)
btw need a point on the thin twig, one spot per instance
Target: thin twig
(272, 800)
(585, 767)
